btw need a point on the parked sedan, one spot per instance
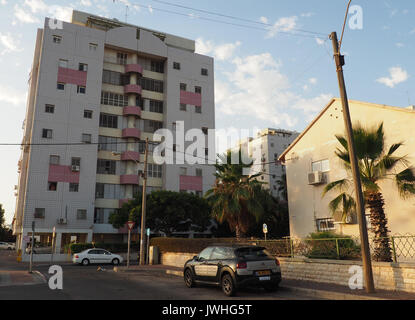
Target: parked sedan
(7, 246)
(96, 256)
(233, 267)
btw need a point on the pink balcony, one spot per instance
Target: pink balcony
(59, 173)
(132, 111)
(129, 179)
(131, 133)
(134, 67)
(192, 98)
(130, 156)
(72, 76)
(132, 88)
(192, 183)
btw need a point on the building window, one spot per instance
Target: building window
(183, 87)
(206, 151)
(86, 138)
(152, 85)
(156, 106)
(121, 58)
(93, 47)
(108, 143)
(52, 186)
(154, 171)
(81, 89)
(198, 89)
(174, 147)
(81, 214)
(322, 166)
(199, 172)
(183, 107)
(114, 99)
(115, 78)
(49, 108)
(152, 126)
(183, 171)
(57, 39)
(40, 213)
(326, 224)
(107, 191)
(176, 65)
(88, 114)
(157, 66)
(99, 216)
(198, 109)
(75, 161)
(204, 72)
(73, 187)
(60, 86)
(54, 159)
(106, 166)
(108, 121)
(83, 67)
(63, 63)
(47, 133)
(205, 130)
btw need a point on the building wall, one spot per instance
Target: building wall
(306, 203)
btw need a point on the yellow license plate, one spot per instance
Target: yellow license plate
(263, 273)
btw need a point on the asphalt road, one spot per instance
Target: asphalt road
(87, 283)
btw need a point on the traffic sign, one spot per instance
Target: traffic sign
(130, 225)
(264, 228)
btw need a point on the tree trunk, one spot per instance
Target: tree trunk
(237, 232)
(381, 247)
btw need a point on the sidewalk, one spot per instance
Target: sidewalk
(19, 278)
(316, 289)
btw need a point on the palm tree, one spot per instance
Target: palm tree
(376, 163)
(235, 197)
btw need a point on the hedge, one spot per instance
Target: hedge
(113, 247)
(187, 245)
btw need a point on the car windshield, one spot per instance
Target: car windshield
(253, 253)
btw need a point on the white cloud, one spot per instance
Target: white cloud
(23, 16)
(9, 42)
(307, 14)
(150, 9)
(320, 41)
(257, 89)
(86, 3)
(36, 5)
(33, 11)
(12, 96)
(400, 44)
(396, 75)
(220, 52)
(3, 2)
(284, 24)
(312, 80)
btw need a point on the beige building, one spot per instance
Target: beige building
(311, 163)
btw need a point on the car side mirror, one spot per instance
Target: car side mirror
(196, 258)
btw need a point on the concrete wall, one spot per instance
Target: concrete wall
(387, 276)
(319, 143)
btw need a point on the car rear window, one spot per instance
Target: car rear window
(253, 253)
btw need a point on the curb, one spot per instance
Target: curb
(330, 295)
(40, 276)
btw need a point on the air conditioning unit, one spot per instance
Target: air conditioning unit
(315, 177)
(75, 168)
(62, 221)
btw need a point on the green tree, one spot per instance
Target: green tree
(237, 198)
(376, 163)
(167, 212)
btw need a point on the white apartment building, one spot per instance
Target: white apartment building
(264, 149)
(98, 89)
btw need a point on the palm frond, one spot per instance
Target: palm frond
(336, 185)
(405, 181)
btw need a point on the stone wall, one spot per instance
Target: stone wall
(387, 276)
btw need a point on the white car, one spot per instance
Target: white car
(7, 246)
(96, 255)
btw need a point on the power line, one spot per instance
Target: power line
(231, 17)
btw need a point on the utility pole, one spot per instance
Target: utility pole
(143, 210)
(360, 206)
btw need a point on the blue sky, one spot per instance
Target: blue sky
(263, 78)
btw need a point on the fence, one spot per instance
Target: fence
(402, 248)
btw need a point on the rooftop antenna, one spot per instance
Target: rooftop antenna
(126, 13)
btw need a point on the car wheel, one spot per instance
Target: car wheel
(85, 262)
(188, 278)
(228, 287)
(271, 288)
(9, 248)
(115, 261)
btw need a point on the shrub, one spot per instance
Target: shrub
(187, 245)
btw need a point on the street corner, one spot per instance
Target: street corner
(20, 278)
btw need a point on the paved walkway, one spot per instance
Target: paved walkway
(317, 289)
(19, 278)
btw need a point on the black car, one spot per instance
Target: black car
(233, 267)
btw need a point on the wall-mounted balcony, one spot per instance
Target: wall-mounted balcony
(132, 111)
(134, 67)
(132, 88)
(131, 133)
(130, 156)
(129, 179)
